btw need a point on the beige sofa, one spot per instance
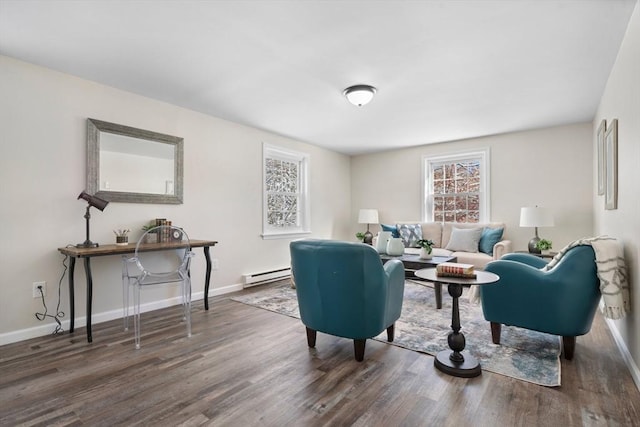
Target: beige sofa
(440, 234)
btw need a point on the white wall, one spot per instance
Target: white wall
(43, 117)
(549, 167)
(621, 100)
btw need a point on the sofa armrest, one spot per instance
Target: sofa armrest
(502, 248)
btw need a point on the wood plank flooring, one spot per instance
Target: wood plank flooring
(246, 366)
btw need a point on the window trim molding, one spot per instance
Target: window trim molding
(484, 154)
(281, 153)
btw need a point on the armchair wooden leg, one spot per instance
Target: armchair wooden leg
(569, 345)
(391, 332)
(496, 328)
(358, 347)
(311, 337)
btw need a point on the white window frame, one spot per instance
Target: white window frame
(302, 159)
(428, 164)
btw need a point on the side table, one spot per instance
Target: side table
(454, 362)
(547, 255)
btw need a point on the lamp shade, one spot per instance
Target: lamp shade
(368, 216)
(93, 201)
(535, 217)
(359, 94)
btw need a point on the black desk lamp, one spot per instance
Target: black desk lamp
(97, 203)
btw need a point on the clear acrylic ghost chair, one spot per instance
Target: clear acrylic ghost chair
(156, 268)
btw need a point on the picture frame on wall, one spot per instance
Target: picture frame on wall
(611, 166)
(602, 129)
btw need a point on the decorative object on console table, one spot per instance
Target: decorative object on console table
(150, 237)
(122, 236)
(162, 235)
(611, 167)
(368, 216)
(97, 203)
(535, 217)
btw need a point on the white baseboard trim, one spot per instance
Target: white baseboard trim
(624, 351)
(48, 328)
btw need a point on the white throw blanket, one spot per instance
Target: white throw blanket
(611, 270)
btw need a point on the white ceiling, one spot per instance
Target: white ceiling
(445, 70)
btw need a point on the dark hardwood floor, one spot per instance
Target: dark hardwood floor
(245, 366)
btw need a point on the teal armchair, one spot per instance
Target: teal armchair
(344, 290)
(561, 301)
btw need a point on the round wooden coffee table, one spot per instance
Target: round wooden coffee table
(453, 361)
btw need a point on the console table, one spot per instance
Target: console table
(87, 253)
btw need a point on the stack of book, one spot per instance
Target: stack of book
(164, 235)
(454, 269)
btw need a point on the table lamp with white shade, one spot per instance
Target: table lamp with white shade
(368, 216)
(535, 217)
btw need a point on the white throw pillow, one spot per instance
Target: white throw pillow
(464, 239)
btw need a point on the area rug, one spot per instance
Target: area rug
(523, 354)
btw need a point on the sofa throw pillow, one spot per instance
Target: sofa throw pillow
(391, 228)
(464, 240)
(410, 234)
(490, 236)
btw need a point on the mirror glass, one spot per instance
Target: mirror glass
(126, 164)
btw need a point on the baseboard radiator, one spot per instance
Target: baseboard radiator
(265, 277)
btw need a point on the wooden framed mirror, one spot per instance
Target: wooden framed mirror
(131, 165)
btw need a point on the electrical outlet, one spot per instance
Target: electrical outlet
(36, 289)
(215, 265)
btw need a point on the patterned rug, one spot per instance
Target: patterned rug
(523, 354)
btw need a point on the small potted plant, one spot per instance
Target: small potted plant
(122, 236)
(544, 245)
(426, 247)
(151, 237)
(360, 237)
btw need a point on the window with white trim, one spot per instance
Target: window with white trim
(456, 187)
(285, 192)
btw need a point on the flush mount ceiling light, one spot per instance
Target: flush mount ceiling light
(359, 94)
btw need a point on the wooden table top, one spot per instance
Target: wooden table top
(113, 249)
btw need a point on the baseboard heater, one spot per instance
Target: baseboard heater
(265, 277)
